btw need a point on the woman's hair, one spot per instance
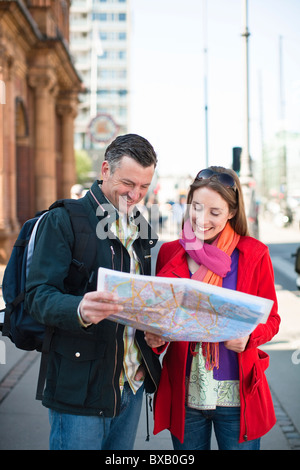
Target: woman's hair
(232, 195)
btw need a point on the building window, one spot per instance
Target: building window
(122, 16)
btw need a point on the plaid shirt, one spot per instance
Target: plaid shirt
(127, 232)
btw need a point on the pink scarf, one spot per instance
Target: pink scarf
(207, 255)
(215, 262)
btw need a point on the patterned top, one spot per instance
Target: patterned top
(218, 387)
(204, 392)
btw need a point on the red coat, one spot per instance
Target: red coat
(255, 276)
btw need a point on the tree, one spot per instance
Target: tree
(83, 166)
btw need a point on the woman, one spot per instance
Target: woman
(219, 383)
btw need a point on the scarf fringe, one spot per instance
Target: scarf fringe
(211, 353)
(210, 272)
(192, 349)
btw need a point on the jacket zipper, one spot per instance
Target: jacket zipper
(122, 256)
(139, 261)
(117, 326)
(112, 257)
(148, 369)
(114, 374)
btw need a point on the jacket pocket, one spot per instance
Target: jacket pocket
(259, 367)
(74, 359)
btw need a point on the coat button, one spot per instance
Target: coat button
(77, 354)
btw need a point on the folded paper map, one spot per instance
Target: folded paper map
(183, 309)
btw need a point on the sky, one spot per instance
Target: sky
(169, 67)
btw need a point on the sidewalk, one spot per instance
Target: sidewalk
(24, 421)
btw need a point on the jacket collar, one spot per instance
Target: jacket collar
(106, 210)
(177, 266)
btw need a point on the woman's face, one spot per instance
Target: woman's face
(209, 213)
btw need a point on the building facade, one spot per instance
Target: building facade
(100, 45)
(39, 98)
(281, 166)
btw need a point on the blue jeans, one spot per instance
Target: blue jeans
(74, 432)
(198, 427)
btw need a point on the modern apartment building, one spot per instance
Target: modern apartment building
(99, 43)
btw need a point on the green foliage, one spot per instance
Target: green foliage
(83, 166)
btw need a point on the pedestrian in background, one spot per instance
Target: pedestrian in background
(219, 383)
(97, 369)
(77, 191)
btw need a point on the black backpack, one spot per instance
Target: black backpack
(17, 324)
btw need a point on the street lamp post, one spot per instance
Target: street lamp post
(246, 176)
(282, 133)
(205, 51)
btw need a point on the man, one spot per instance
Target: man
(97, 368)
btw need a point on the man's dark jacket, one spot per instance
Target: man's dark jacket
(84, 363)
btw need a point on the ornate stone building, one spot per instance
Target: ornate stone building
(39, 89)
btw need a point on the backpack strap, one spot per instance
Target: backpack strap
(84, 249)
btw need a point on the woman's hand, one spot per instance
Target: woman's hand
(154, 341)
(237, 345)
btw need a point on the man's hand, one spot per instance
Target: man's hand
(140, 374)
(96, 306)
(237, 345)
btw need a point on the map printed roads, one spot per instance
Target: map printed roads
(183, 309)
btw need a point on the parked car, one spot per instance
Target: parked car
(297, 266)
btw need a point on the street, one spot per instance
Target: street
(283, 263)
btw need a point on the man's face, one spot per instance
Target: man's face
(127, 186)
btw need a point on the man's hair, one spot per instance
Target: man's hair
(130, 145)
